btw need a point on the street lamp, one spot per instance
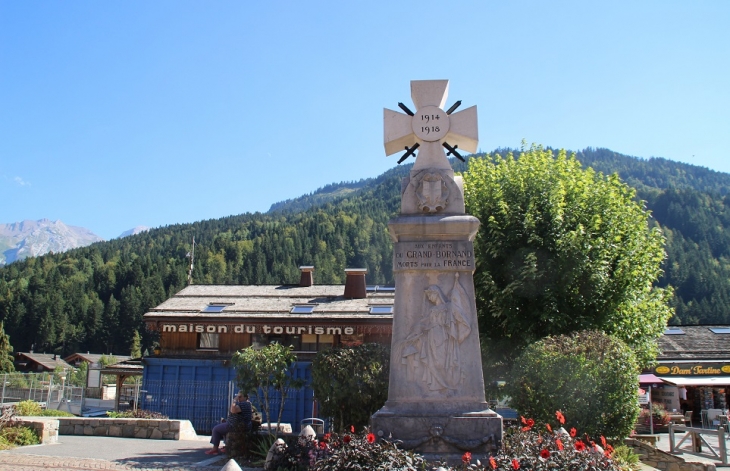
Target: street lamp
(63, 386)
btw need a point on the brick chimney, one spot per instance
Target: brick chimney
(307, 278)
(355, 283)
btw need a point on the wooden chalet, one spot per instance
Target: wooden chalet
(39, 362)
(202, 326)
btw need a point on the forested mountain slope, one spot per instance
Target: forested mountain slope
(93, 298)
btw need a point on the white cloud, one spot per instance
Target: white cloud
(20, 182)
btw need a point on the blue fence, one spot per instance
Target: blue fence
(201, 391)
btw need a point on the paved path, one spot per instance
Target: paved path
(96, 453)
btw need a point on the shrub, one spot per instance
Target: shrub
(345, 452)
(529, 447)
(136, 414)
(543, 447)
(27, 408)
(20, 435)
(588, 375)
(5, 444)
(351, 383)
(625, 458)
(55, 413)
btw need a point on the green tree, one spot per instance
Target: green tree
(562, 249)
(136, 345)
(6, 351)
(350, 384)
(589, 376)
(266, 373)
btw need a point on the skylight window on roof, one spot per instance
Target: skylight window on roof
(303, 309)
(380, 289)
(381, 309)
(720, 330)
(673, 331)
(215, 307)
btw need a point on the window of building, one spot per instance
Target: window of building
(380, 289)
(215, 307)
(303, 309)
(673, 331)
(352, 340)
(207, 341)
(325, 342)
(384, 309)
(720, 330)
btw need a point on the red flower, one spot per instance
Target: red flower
(560, 417)
(559, 444)
(322, 445)
(603, 441)
(371, 438)
(466, 457)
(492, 462)
(573, 432)
(545, 453)
(580, 446)
(327, 437)
(528, 423)
(352, 429)
(346, 439)
(515, 464)
(550, 429)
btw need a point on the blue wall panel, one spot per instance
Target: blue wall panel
(200, 391)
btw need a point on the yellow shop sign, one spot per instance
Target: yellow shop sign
(697, 369)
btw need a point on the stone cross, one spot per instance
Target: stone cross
(430, 127)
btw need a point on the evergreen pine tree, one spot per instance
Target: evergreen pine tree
(6, 352)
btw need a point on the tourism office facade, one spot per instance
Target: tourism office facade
(190, 376)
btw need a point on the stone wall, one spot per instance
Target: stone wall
(129, 428)
(45, 427)
(662, 460)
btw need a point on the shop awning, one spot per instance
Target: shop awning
(649, 379)
(697, 381)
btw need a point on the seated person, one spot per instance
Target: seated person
(241, 412)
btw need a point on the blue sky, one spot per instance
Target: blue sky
(116, 114)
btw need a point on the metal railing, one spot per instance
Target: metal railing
(39, 387)
(698, 437)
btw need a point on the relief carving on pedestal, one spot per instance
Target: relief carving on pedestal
(432, 193)
(432, 352)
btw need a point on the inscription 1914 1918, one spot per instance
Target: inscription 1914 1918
(443, 255)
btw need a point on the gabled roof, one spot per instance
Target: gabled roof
(697, 342)
(271, 301)
(48, 361)
(92, 357)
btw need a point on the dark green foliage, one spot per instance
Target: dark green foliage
(6, 352)
(562, 249)
(589, 376)
(351, 383)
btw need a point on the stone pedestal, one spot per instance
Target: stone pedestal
(436, 403)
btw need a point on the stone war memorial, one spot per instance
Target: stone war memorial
(436, 404)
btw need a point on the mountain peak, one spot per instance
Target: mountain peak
(134, 231)
(28, 238)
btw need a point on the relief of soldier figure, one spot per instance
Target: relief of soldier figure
(432, 352)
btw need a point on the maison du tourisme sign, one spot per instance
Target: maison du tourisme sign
(692, 369)
(258, 329)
